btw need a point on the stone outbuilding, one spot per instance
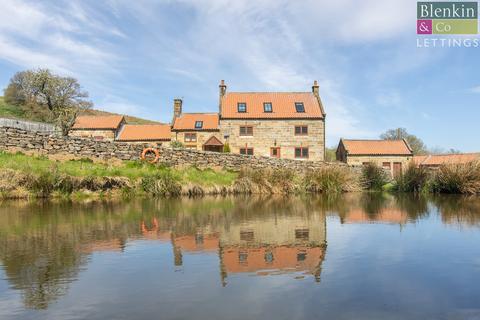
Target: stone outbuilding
(97, 127)
(392, 155)
(159, 134)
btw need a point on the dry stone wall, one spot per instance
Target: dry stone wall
(53, 144)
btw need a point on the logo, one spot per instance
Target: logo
(447, 18)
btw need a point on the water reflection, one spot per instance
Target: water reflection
(45, 246)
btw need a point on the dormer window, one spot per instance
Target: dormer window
(198, 124)
(267, 107)
(299, 107)
(242, 107)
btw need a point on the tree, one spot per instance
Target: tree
(63, 97)
(417, 145)
(331, 154)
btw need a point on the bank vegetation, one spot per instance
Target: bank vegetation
(23, 176)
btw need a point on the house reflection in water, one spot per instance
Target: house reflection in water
(271, 246)
(384, 215)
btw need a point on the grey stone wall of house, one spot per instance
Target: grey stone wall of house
(28, 125)
(12, 139)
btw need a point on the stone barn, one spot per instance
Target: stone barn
(392, 155)
(97, 127)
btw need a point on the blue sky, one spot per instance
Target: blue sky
(134, 57)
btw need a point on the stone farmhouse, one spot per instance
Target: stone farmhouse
(392, 155)
(273, 124)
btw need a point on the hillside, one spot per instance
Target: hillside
(19, 112)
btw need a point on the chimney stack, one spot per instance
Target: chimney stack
(315, 88)
(223, 91)
(177, 108)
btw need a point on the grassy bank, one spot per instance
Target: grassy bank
(23, 176)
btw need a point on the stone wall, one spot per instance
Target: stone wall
(276, 133)
(12, 139)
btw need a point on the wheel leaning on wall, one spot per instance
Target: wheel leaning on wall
(150, 150)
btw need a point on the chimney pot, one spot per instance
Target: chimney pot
(177, 108)
(315, 88)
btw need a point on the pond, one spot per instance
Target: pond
(355, 256)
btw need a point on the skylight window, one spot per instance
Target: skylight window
(198, 124)
(267, 107)
(242, 107)
(299, 107)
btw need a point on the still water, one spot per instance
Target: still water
(357, 256)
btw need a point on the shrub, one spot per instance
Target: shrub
(331, 179)
(374, 177)
(176, 144)
(226, 148)
(163, 183)
(44, 183)
(414, 179)
(457, 178)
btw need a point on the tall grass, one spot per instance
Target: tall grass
(457, 178)
(374, 177)
(414, 179)
(331, 179)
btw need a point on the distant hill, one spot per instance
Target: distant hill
(19, 112)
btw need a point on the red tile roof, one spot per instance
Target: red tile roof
(283, 105)
(98, 122)
(377, 147)
(145, 132)
(437, 160)
(186, 122)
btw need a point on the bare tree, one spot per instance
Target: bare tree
(62, 96)
(415, 143)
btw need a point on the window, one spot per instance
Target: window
(301, 256)
(299, 107)
(301, 152)
(247, 235)
(243, 257)
(302, 234)
(198, 124)
(190, 137)
(267, 107)
(301, 130)
(246, 131)
(242, 107)
(386, 165)
(275, 152)
(246, 151)
(269, 257)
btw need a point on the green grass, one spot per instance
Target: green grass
(10, 111)
(21, 112)
(132, 170)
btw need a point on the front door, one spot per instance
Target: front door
(397, 169)
(275, 152)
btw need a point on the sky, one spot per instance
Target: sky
(135, 57)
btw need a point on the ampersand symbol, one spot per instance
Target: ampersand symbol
(423, 27)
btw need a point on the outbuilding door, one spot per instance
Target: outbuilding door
(397, 169)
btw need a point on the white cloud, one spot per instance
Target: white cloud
(475, 89)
